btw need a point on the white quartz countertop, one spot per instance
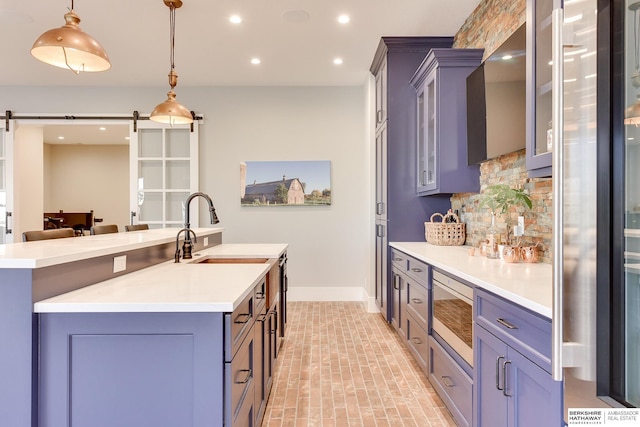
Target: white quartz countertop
(45, 253)
(527, 284)
(171, 287)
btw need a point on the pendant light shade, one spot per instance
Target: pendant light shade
(171, 111)
(70, 47)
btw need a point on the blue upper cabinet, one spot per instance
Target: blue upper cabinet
(539, 92)
(441, 136)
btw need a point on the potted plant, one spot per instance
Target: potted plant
(498, 199)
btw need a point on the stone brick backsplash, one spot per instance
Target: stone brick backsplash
(511, 170)
(490, 24)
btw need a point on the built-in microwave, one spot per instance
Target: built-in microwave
(452, 308)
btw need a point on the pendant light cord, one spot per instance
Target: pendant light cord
(635, 39)
(172, 25)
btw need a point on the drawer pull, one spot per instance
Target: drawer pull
(259, 295)
(506, 324)
(416, 270)
(498, 373)
(242, 318)
(416, 300)
(262, 318)
(247, 376)
(397, 259)
(416, 340)
(446, 380)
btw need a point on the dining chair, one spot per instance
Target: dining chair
(103, 229)
(136, 227)
(54, 233)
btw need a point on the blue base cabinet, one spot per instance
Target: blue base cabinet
(513, 386)
(131, 369)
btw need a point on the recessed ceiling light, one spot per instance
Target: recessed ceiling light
(507, 57)
(255, 61)
(338, 61)
(127, 138)
(344, 19)
(103, 128)
(235, 19)
(61, 137)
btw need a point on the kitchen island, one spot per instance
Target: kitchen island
(131, 262)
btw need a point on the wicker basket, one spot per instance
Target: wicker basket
(445, 233)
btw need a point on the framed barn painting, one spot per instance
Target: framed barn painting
(285, 183)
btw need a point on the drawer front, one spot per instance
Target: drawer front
(418, 302)
(453, 385)
(523, 330)
(418, 342)
(237, 326)
(418, 270)
(399, 259)
(239, 381)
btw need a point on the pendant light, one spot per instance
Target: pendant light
(70, 47)
(632, 113)
(171, 111)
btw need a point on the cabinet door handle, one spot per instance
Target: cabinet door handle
(498, 373)
(416, 300)
(7, 230)
(506, 324)
(416, 340)
(379, 208)
(260, 295)
(446, 380)
(416, 270)
(395, 283)
(504, 377)
(380, 230)
(379, 116)
(242, 318)
(262, 318)
(248, 374)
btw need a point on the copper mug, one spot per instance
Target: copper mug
(511, 254)
(529, 254)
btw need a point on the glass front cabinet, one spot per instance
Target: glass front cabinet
(441, 144)
(539, 93)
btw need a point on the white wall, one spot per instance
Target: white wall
(28, 181)
(81, 178)
(330, 246)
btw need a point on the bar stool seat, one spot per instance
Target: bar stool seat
(54, 233)
(103, 229)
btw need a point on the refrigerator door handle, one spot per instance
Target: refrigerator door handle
(557, 165)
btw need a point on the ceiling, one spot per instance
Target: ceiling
(296, 40)
(94, 134)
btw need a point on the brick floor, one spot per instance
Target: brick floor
(341, 366)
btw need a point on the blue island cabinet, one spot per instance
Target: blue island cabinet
(137, 369)
(131, 369)
(513, 384)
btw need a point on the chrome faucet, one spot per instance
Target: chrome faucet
(187, 246)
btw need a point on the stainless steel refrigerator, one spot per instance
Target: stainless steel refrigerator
(596, 203)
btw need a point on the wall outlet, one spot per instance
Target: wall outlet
(206, 241)
(119, 263)
(518, 230)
